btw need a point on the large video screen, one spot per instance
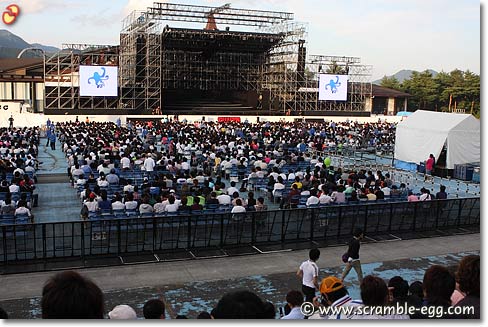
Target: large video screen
(99, 81)
(333, 87)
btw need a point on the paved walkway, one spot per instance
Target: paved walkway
(57, 199)
(192, 286)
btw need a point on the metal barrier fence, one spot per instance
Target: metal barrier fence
(160, 236)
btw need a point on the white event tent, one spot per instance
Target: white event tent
(426, 132)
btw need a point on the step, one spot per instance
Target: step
(52, 178)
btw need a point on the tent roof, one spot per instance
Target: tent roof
(434, 121)
(426, 132)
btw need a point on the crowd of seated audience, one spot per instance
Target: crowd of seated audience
(178, 160)
(18, 164)
(68, 295)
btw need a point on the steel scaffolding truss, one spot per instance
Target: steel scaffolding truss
(227, 15)
(156, 59)
(140, 67)
(293, 90)
(359, 85)
(61, 76)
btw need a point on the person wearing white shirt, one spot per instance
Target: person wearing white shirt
(159, 207)
(14, 188)
(118, 205)
(130, 204)
(232, 188)
(125, 163)
(22, 209)
(128, 188)
(425, 196)
(172, 206)
(91, 204)
(102, 182)
(185, 166)
(76, 171)
(274, 174)
(238, 208)
(278, 187)
(386, 190)
(19, 170)
(309, 272)
(313, 199)
(149, 163)
(224, 199)
(227, 166)
(260, 173)
(291, 176)
(324, 198)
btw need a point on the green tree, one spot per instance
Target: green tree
(391, 83)
(424, 90)
(335, 68)
(445, 92)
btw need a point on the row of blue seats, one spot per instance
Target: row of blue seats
(123, 214)
(15, 196)
(11, 219)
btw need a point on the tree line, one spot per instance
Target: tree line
(447, 92)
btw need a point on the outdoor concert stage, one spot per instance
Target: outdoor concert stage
(242, 62)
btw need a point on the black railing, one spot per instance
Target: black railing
(158, 238)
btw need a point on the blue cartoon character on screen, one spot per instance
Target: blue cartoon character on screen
(98, 79)
(333, 85)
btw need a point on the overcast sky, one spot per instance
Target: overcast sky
(388, 34)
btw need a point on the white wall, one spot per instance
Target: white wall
(31, 119)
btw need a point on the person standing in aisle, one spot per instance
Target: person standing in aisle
(309, 273)
(52, 140)
(353, 256)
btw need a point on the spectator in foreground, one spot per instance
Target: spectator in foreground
(334, 294)
(243, 305)
(398, 288)
(3, 314)
(438, 287)
(416, 294)
(204, 315)
(374, 293)
(294, 300)
(154, 309)
(23, 210)
(68, 295)
(122, 312)
(468, 277)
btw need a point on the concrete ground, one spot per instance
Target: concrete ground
(189, 287)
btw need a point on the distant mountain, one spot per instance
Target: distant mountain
(46, 48)
(10, 40)
(11, 45)
(404, 74)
